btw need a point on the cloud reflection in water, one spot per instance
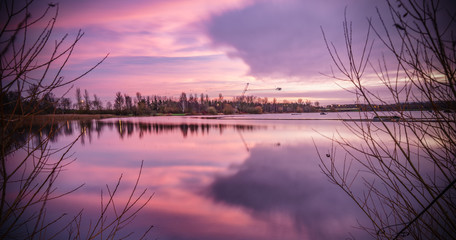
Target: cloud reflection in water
(287, 181)
(274, 190)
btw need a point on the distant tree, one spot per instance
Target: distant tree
(265, 100)
(87, 102)
(139, 97)
(65, 104)
(109, 106)
(119, 103)
(154, 104)
(97, 104)
(219, 105)
(34, 94)
(191, 103)
(141, 105)
(258, 110)
(183, 101)
(79, 101)
(211, 110)
(228, 109)
(128, 104)
(48, 103)
(202, 99)
(274, 105)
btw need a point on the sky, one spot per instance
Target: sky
(166, 47)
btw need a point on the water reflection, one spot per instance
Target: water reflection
(285, 181)
(212, 179)
(128, 127)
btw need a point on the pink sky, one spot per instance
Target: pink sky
(203, 46)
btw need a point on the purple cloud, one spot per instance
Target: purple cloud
(284, 40)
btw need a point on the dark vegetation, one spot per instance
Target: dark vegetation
(155, 105)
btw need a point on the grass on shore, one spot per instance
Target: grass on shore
(65, 117)
(53, 118)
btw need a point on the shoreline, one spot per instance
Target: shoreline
(54, 118)
(71, 116)
(50, 118)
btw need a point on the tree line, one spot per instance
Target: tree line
(140, 105)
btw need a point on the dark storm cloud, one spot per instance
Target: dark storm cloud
(284, 39)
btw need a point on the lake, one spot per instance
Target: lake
(233, 177)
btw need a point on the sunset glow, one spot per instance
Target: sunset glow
(211, 47)
(227, 119)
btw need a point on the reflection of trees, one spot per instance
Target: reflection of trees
(128, 128)
(143, 128)
(86, 129)
(68, 129)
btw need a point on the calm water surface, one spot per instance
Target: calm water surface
(232, 178)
